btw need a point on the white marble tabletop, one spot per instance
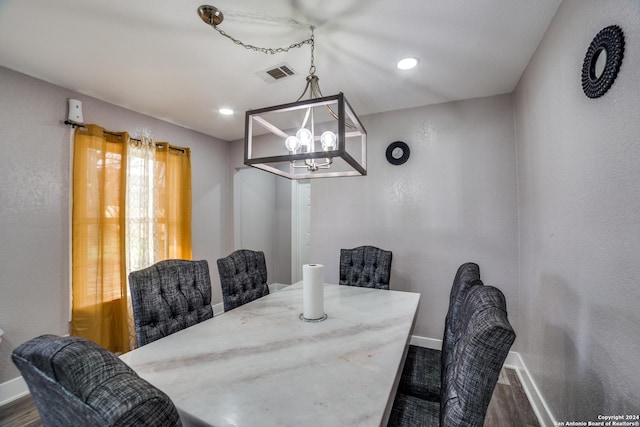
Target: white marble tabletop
(259, 365)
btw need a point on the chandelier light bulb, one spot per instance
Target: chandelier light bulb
(304, 137)
(292, 143)
(328, 140)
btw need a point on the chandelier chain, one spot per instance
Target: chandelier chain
(312, 68)
(270, 50)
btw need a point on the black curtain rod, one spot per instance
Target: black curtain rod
(82, 125)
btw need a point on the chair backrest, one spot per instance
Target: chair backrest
(482, 343)
(243, 277)
(169, 296)
(467, 276)
(75, 382)
(365, 266)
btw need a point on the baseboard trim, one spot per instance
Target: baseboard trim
(218, 309)
(515, 362)
(431, 343)
(539, 404)
(12, 390)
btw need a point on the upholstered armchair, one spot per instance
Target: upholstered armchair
(243, 277)
(365, 266)
(169, 296)
(75, 382)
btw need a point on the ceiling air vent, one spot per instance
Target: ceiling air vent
(277, 73)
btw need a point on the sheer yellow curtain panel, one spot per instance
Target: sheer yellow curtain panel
(173, 198)
(99, 307)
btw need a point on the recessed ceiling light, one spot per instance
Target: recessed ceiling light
(226, 111)
(407, 63)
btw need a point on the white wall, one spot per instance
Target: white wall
(34, 202)
(579, 200)
(453, 201)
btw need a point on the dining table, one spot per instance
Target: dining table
(261, 364)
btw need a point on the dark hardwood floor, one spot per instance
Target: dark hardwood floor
(20, 413)
(509, 407)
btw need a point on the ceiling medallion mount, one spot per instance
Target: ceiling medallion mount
(210, 15)
(317, 137)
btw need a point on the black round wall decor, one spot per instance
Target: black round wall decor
(602, 61)
(398, 153)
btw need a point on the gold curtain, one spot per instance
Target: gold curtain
(107, 239)
(173, 198)
(99, 285)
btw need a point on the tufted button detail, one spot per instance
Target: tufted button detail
(365, 266)
(166, 292)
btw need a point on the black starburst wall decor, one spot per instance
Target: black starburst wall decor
(602, 61)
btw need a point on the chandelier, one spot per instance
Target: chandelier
(314, 137)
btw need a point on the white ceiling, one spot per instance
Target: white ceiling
(157, 57)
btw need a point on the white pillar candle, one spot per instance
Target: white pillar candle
(313, 291)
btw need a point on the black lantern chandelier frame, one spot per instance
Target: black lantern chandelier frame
(317, 137)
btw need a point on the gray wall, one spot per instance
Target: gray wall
(262, 219)
(270, 212)
(282, 241)
(579, 202)
(453, 201)
(34, 202)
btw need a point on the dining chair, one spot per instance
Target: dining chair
(75, 382)
(243, 277)
(467, 276)
(481, 345)
(365, 266)
(169, 296)
(424, 367)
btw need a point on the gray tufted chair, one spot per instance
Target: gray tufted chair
(467, 276)
(365, 266)
(75, 382)
(480, 346)
(423, 367)
(482, 343)
(243, 277)
(169, 296)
